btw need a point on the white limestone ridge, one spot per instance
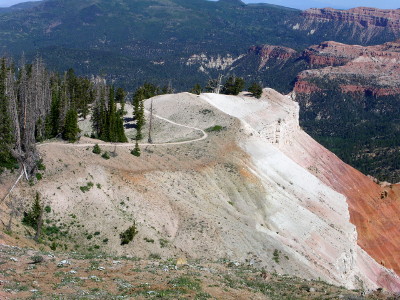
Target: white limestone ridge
(307, 217)
(212, 62)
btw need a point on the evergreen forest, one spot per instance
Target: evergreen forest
(36, 104)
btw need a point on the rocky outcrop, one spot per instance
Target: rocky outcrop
(351, 95)
(376, 69)
(361, 25)
(363, 16)
(268, 52)
(330, 54)
(206, 62)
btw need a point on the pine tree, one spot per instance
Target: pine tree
(256, 90)
(138, 111)
(6, 134)
(233, 86)
(99, 112)
(136, 150)
(34, 218)
(71, 82)
(196, 89)
(31, 217)
(120, 98)
(71, 129)
(110, 119)
(55, 113)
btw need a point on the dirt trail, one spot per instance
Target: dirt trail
(205, 135)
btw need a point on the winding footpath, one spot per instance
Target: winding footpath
(205, 135)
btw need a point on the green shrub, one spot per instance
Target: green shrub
(51, 230)
(40, 165)
(163, 243)
(196, 89)
(106, 155)
(276, 256)
(136, 150)
(87, 187)
(154, 256)
(215, 128)
(256, 90)
(128, 235)
(39, 176)
(47, 209)
(37, 259)
(53, 246)
(96, 149)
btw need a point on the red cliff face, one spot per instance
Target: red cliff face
(374, 209)
(304, 87)
(268, 52)
(362, 16)
(378, 67)
(329, 54)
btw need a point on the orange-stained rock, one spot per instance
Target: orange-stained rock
(374, 210)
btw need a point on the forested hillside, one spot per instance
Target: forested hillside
(36, 104)
(188, 42)
(138, 41)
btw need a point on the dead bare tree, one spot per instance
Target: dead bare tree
(151, 122)
(15, 205)
(215, 85)
(39, 225)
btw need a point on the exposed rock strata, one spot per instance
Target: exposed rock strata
(361, 25)
(268, 52)
(363, 16)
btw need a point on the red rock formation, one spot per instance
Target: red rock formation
(363, 16)
(330, 54)
(378, 66)
(267, 52)
(305, 87)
